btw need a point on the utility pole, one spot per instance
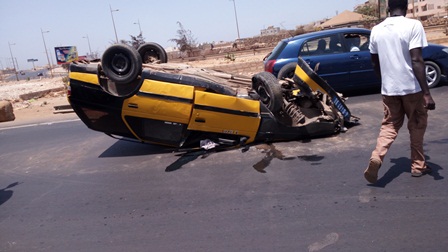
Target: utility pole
(413, 9)
(236, 19)
(113, 21)
(139, 27)
(379, 9)
(46, 51)
(12, 58)
(88, 41)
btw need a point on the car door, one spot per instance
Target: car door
(359, 61)
(326, 57)
(225, 114)
(159, 112)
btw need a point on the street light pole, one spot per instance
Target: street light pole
(236, 19)
(413, 8)
(113, 21)
(139, 27)
(46, 51)
(12, 58)
(379, 9)
(88, 41)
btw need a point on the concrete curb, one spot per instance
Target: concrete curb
(39, 94)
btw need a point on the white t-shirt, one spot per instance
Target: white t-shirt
(392, 40)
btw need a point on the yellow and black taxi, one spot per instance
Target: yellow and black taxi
(125, 95)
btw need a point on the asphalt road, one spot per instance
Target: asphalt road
(64, 187)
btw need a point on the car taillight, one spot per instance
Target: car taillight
(269, 66)
(69, 90)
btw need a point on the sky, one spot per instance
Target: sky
(26, 24)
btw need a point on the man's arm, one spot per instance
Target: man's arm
(418, 66)
(376, 64)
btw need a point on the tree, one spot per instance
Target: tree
(135, 41)
(367, 9)
(185, 40)
(370, 14)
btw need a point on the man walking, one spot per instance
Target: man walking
(396, 51)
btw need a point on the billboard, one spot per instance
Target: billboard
(66, 54)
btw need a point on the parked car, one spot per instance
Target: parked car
(342, 57)
(184, 107)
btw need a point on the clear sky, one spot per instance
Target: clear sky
(69, 23)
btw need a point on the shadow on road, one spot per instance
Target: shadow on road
(124, 148)
(402, 165)
(6, 194)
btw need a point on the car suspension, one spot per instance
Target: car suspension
(293, 110)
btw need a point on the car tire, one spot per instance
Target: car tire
(152, 53)
(287, 71)
(121, 64)
(269, 90)
(433, 74)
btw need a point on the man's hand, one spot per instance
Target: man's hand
(429, 102)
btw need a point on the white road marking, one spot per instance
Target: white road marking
(330, 239)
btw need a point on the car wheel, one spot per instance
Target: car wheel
(152, 53)
(287, 71)
(121, 63)
(432, 74)
(269, 90)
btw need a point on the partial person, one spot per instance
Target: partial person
(396, 52)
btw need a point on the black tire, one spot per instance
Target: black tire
(269, 90)
(121, 64)
(152, 53)
(287, 71)
(433, 74)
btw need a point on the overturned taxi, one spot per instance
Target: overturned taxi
(127, 95)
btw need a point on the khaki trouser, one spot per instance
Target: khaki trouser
(395, 108)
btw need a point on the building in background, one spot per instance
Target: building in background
(271, 30)
(427, 9)
(345, 19)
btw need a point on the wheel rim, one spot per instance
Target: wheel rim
(431, 75)
(120, 64)
(265, 98)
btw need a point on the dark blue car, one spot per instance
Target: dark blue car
(342, 58)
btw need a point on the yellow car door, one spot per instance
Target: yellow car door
(225, 114)
(159, 112)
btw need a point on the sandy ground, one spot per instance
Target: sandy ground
(43, 108)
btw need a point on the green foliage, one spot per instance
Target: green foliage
(367, 9)
(65, 80)
(370, 14)
(230, 56)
